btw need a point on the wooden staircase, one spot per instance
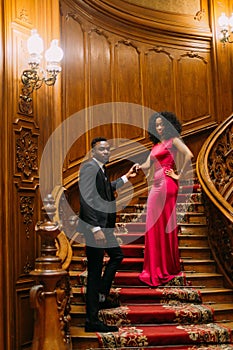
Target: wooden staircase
(197, 263)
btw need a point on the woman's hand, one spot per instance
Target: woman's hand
(132, 171)
(171, 173)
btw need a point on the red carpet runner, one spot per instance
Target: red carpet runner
(169, 318)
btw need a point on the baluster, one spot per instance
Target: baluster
(50, 297)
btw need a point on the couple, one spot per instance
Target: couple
(98, 216)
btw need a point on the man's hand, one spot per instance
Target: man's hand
(132, 171)
(100, 238)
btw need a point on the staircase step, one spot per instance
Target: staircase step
(194, 228)
(223, 312)
(192, 265)
(195, 252)
(126, 315)
(136, 250)
(133, 250)
(193, 240)
(142, 294)
(191, 218)
(196, 207)
(131, 237)
(217, 295)
(196, 279)
(82, 340)
(78, 249)
(182, 217)
(78, 263)
(136, 263)
(190, 229)
(155, 336)
(159, 313)
(184, 240)
(135, 226)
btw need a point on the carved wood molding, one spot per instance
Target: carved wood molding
(217, 150)
(148, 18)
(26, 154)
(220, 163)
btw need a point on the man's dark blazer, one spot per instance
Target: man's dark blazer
(97, 200)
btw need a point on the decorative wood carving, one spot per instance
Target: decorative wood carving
(199, 15)
(27, 210)
(221, 238)
(220, 165)
(215, 172)
(26, 153)
(51, 295)
(68, 222)
(25, 102)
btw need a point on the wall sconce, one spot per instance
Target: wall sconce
(226, 28)
(34, 77)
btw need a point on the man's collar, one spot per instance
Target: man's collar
(101, 165)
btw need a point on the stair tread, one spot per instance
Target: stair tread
(201, 261)
(207, 274)
(180, 223)
(198, 213)
(185, 259)
(147, 307)
(77, 331)
(142, 246)
(223, 306)
(140, 233)
(203, 290)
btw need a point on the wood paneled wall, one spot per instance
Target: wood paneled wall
(123, 51)
(122, 61)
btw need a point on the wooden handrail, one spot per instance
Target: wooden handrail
(215, 172)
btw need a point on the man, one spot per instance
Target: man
(97, 221)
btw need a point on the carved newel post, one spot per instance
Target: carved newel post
(50, 297)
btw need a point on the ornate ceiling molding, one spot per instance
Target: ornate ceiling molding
(142, 15)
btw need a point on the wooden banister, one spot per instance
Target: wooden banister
(215, 172)
(50, 297)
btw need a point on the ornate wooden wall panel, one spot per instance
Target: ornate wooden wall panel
(24, 334)
(74, 84)
(100, 81)
(159, 72)
(195, 85)
(128, 88)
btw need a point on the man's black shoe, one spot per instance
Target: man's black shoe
(108, 304)
(99, 327)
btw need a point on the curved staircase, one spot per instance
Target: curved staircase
(194, 311)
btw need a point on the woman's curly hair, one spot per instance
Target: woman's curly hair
(172, 126)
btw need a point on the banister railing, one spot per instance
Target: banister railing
(215, 172)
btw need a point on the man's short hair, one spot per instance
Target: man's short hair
(96, 140)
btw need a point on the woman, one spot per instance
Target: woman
(161, 255)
